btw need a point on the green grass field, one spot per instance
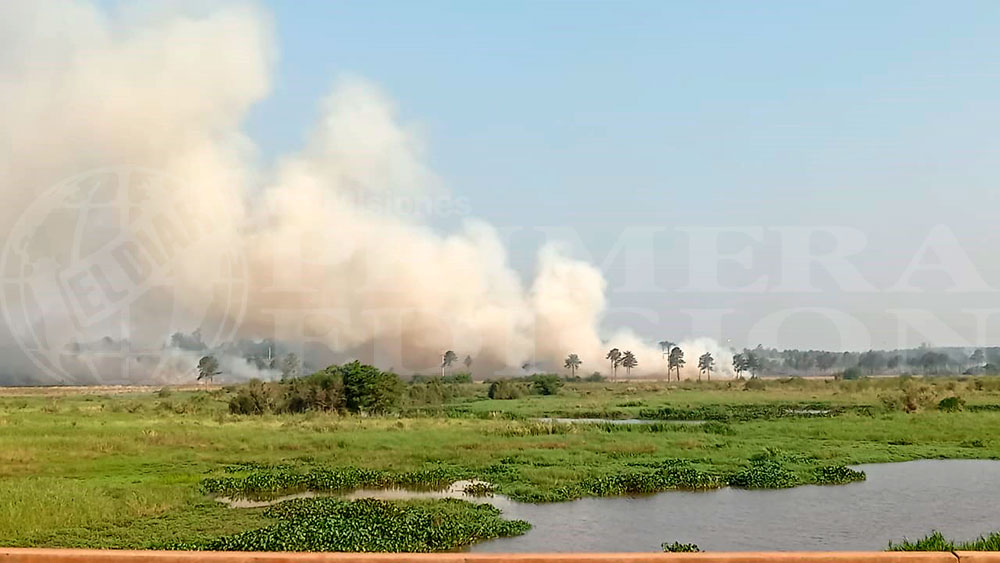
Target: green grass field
(124, 470)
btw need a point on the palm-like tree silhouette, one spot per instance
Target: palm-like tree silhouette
(665, 347)
(615, 356)
(572, 363)
(706, 363)
(629, 361)
(447, 359)
(675, 361)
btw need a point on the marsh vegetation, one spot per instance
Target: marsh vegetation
(143, 468)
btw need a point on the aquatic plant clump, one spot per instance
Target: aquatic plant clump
(763, 474)
(479, 489)
(672, 474)
(749, 412)
(678, 547)
(837, 475)
(369, 525)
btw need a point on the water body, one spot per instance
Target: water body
(455, 490)
(614, 421)
(960, 498)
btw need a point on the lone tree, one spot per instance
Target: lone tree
(739, 365)
(615, 356)
(665, 347)
(572, 363)
(468, 362)
(629, 361)
(675, 361)
(447, 359)
(208, 368)
(706, 363)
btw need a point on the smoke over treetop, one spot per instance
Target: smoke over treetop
(321, 252)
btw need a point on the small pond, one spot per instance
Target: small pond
(626, 421)
(960, 498)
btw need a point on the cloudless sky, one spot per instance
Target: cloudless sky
(884, 116)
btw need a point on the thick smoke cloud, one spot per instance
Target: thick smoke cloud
(323, 242)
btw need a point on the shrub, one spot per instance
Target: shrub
(951, 404)
(355, 387)
(370, 390)
(545, 384)
(851, 374)
(321, 391)
(910, 397)
(505, 389)
(457, 378)
(253, 398)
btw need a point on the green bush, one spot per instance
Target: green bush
(255, 397)
(354, 387)
(851, 374)
(506, 389)
(545, 384)
(370, 390)
(321, 391)
(457, 378)
(951, 404)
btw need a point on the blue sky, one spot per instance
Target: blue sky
(677, 104)
(594, 116)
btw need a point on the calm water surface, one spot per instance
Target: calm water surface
(613, 421)
(961, 498)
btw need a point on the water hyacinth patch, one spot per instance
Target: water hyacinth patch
(837, 475)
(368, 525)
(763, 474)
(678, 547)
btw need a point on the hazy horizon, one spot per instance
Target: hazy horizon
(516, 181)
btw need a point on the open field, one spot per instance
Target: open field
(128, 470)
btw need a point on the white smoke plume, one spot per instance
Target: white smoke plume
(324, 251)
